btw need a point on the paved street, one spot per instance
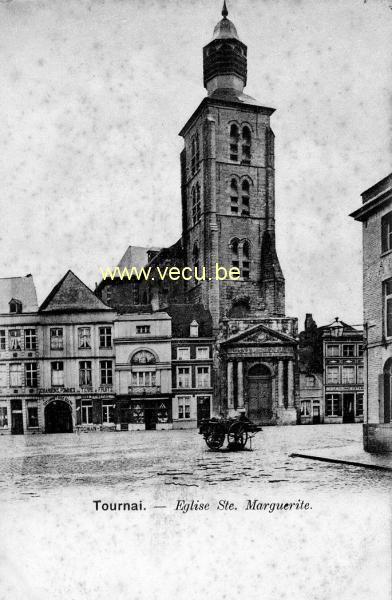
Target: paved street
(49, 464)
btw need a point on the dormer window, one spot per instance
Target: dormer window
(194, 329)
(15, 306)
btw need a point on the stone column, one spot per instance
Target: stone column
(230, 385)
(280, 383)
(290, 383)
(240, 384)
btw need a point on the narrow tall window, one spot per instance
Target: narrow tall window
(84, 334)
(195, 256)
(105, 337)
(388, 307)
(2, 339)
(15, 339)
(106, 370)
(245, 260)
(16, 375)
(30, 339)
(234, 196)
(56, 338)
(234, 254)
(31, 375)
(85, 372)
(246, 143)
(386, 232)
(196, 204)
(234, 137)
(245, 208)
(57, 373)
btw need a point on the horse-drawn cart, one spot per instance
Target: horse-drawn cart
(238, 431)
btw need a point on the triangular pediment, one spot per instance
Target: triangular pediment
(259, 334)
(70, 294)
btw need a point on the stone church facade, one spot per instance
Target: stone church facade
(228, 219)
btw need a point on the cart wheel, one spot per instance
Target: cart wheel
(214, 438)
(237, 436)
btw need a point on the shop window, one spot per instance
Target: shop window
(386, 232)
(333, 405)
(184, 377)
(84, 336)
(105, 337)
(162, 414)
(183, 353)
(359, 405)
(305, 408)
(85, 375)
(16, 375)
(202, 352)
(30, 339)
(56, 338)
(15, 339)
(106, 371)
(234, 139)
(332, 349)
(2, 339)
(87, 412)
(142, 329)
(234, 196)
(107, 413)
(57, 373)
(32, 417)
(3, 417)
(332, 375)
(348, 350)
(31, 375)
(203, 377)
(184, 407)
(348, 375)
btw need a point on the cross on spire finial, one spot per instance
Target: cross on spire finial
(225, 12)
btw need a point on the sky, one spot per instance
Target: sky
(94, 93)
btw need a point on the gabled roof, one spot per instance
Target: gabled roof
(21, 289)
(260, 334)
(182, 316)
(70, 294)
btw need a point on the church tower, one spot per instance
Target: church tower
(228, 200)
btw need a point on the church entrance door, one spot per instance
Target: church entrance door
(259, 387)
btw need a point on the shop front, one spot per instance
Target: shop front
(138, 414)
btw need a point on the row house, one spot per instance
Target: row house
(76, 364)
(331, 373)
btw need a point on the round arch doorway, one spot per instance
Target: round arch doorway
(259, 388)
(58, 417)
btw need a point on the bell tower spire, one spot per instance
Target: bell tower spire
(224, 58)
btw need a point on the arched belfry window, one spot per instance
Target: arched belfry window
(196, 204)
(234, 196)
(196, 256)
(246, 145)
(240, 256)
(245, 198)
(234, 139)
